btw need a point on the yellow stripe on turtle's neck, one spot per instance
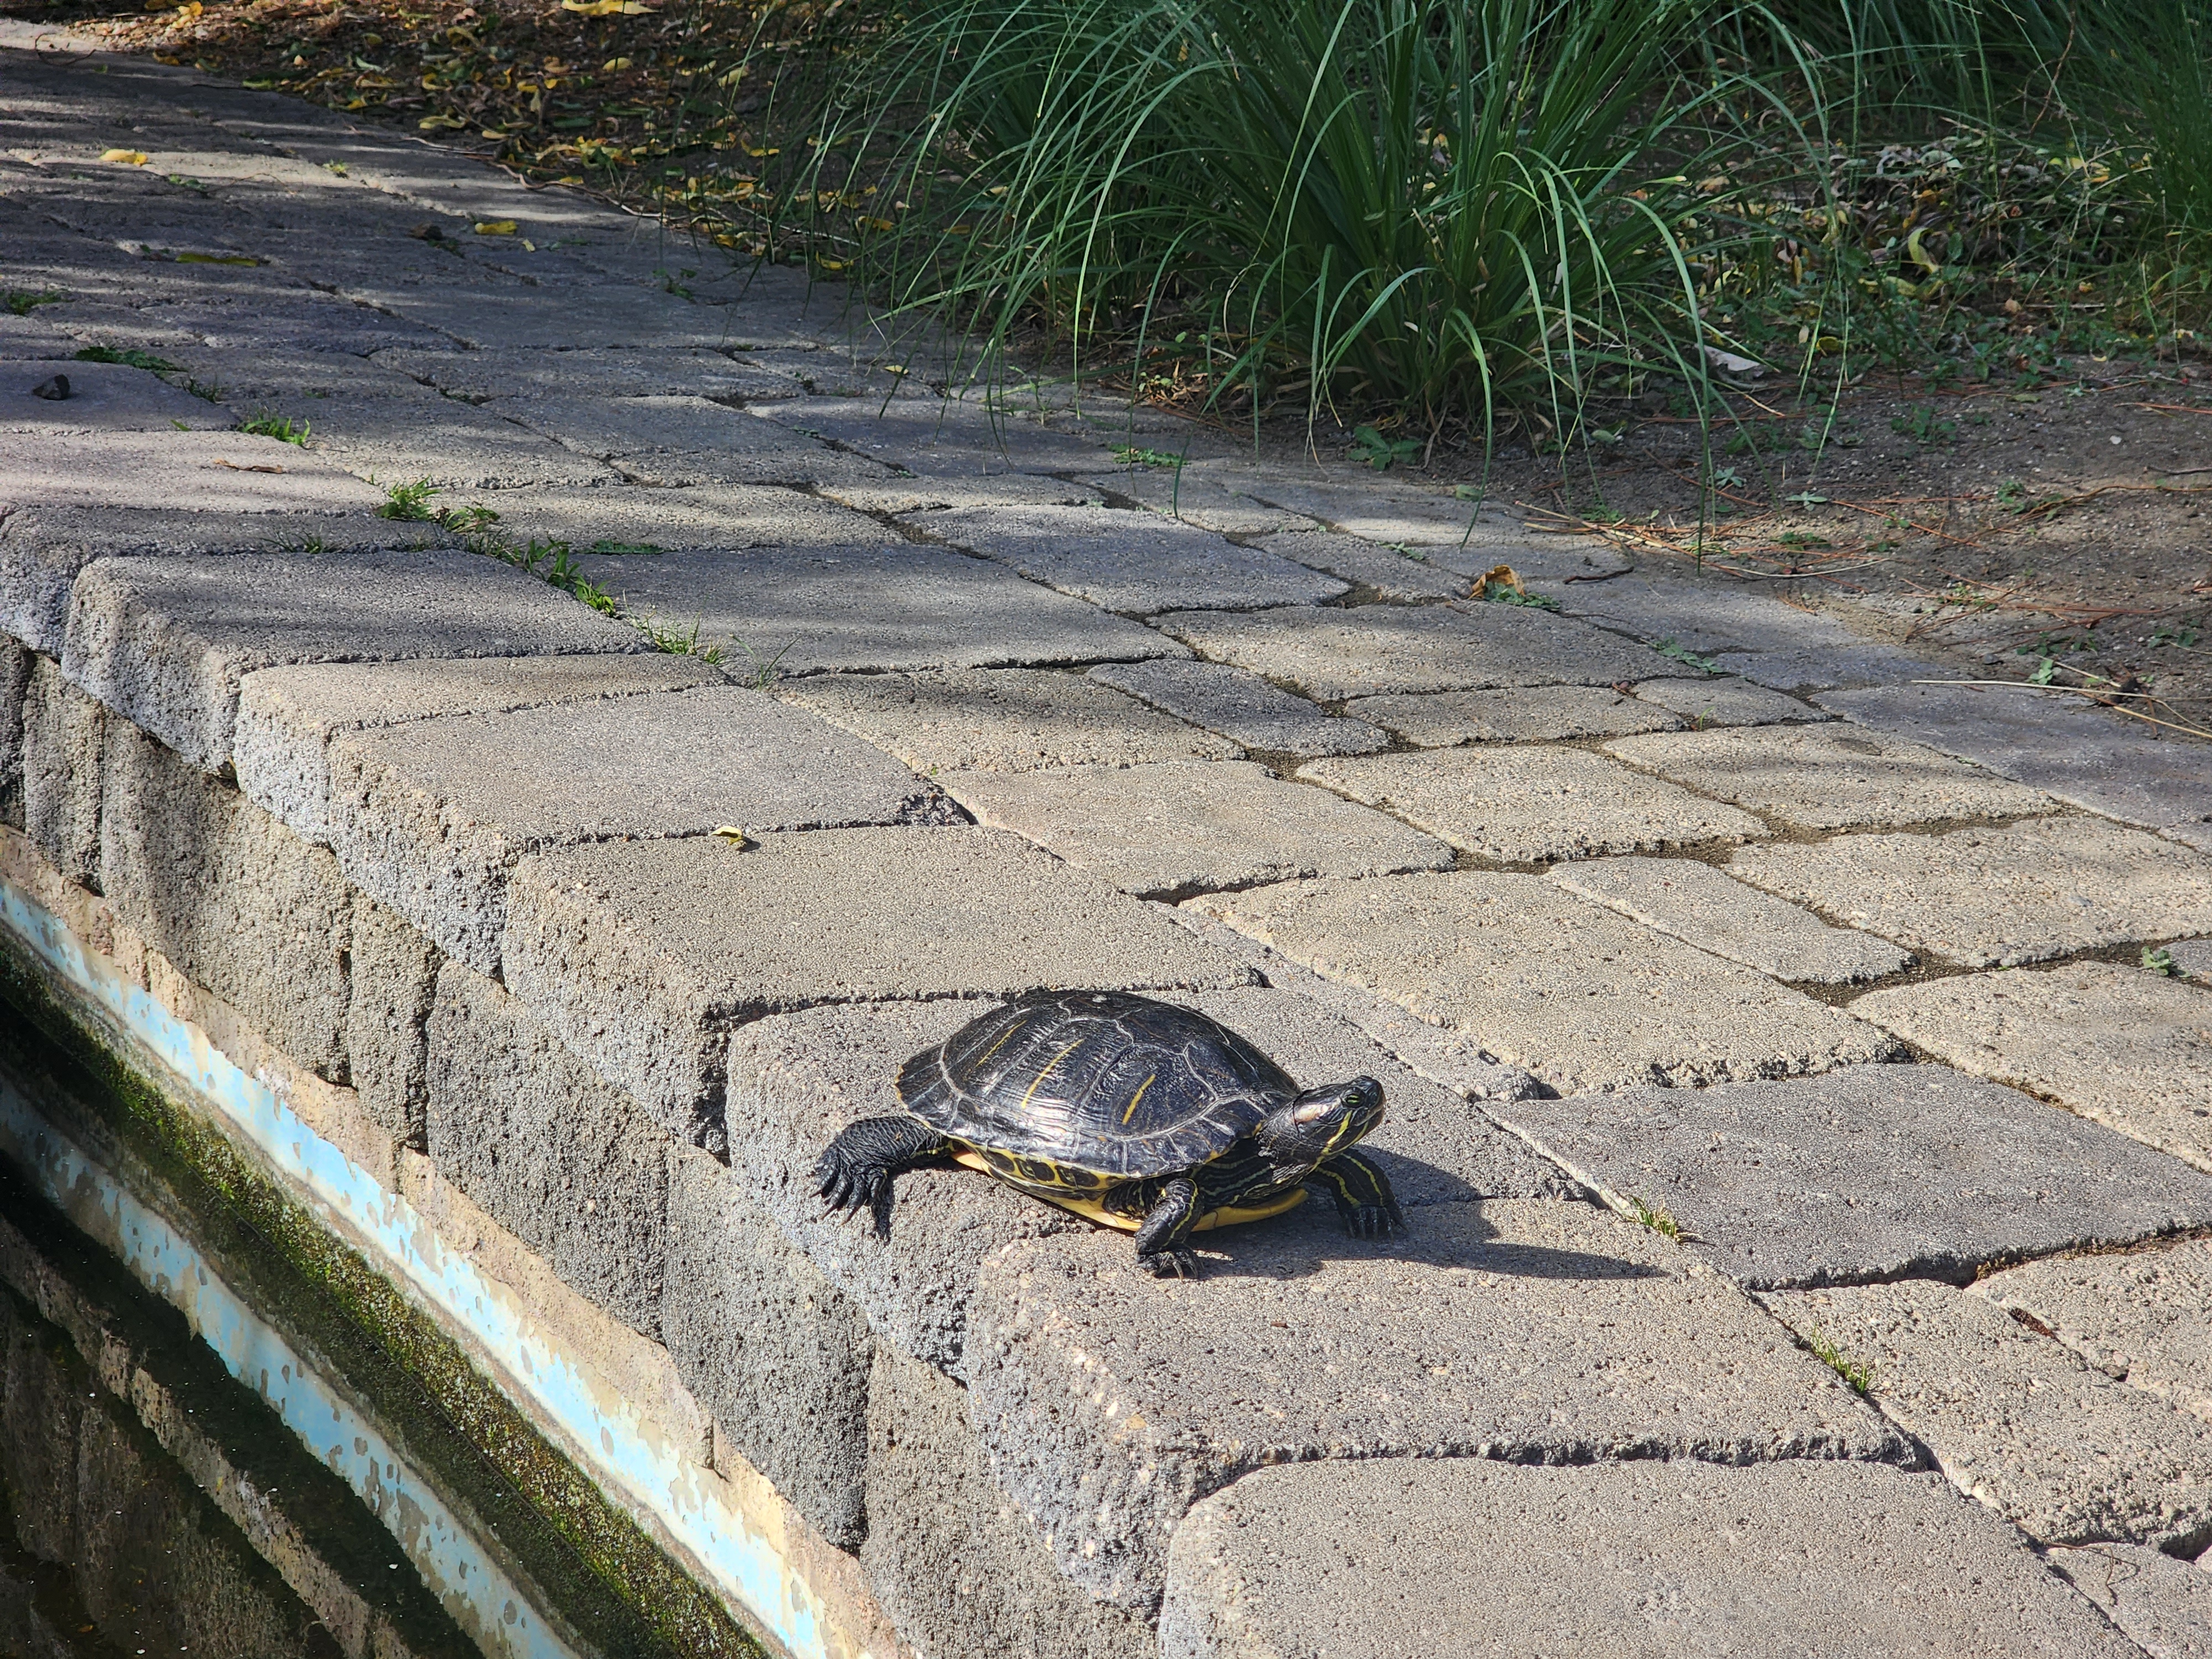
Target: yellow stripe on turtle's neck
(1087, 1205)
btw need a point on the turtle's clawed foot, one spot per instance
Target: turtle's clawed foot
(847, 1183)
(1372, 1221)
(1169, 1264)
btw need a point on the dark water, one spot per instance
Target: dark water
(151, 1503)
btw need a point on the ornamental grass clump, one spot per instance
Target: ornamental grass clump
(1446, 209)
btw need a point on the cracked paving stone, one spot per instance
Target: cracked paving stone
(1444, 719)
(1827, 777)
(1532, 805)
(1996, 898)
(1003, 720)
(2127, 1049)
(2138, 1315)
(2058, 1448)
(2163, 1604)
(1240, 705)
(1708, 703)
(1169, 830)
(1581, 997)
(1408, 576)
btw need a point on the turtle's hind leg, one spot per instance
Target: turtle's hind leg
(855, 1172)
(1163, 1243)
(1364, 1201)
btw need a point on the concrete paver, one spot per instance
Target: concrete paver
(711, 518)
(643, 955)
(2162, 1604)
(1374, 650)
(1136, 562)
(1196, 494)
(2192, 958)
(1385, 571)
(2058, 1448)
(1996, 897)
(2063, 745)
(1442, 719)
(2127, 1049)
(1716, 701)
(429, 817)
(1697, 903)
(165, 642)
(871, 608)
(1172, 829)
(170, 471)
(102, 398)
(1002, 719)
(1871, 1172)
(1826, 777)
(2138, 1316)
(1242, 706)
(1581, 997)
(1663, 1560)
(1527, 804)
(425, 438)
(287, 716)
(1525, 1330)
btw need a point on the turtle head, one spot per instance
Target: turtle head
(1317, 1125)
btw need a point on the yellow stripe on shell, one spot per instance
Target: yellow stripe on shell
(1041, 1076)
(1139, 1096)
(1229, 1215)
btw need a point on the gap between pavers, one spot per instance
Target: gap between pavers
(1002, 719)
(795, 1080)
(1717, 701)
(429, 816)
(167, 641)
(2164, 1604)
(643, 955)
(1172, 829)
(1829, 777)
(1444, 719)
(2058, 1448)
(1872, 1172)
(1531, 805)
(1703, 906)
(1373, 650)
(1241, 705)
(1406, 575)
(1996, 897)
(1581, 997)
(2127, 1049)
(2137, 1315)
(1672, 1559)
(1527, 1330)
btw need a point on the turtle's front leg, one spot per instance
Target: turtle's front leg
(855, 1172)
(1163, 1243)
(1364, 1202)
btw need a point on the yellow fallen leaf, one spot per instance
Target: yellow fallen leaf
(434, 123)
(604, 7)
(1500, 578)
(738, 838)
(613, 64)
(496, 227)
(136, 158)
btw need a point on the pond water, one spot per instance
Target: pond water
(199, 1455)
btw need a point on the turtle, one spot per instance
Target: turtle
(1138, 1114)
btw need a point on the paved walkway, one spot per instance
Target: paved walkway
(1841, 983)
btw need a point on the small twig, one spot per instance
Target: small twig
(2102, 699)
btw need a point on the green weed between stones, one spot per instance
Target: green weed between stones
(20, 301)
(1675, 651)
(409, 503)
(131, 358)
(2160, 961)
(1658, 1218)
(263, 424)
(1858, 1374)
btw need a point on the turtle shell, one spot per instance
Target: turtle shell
(1097, 1080)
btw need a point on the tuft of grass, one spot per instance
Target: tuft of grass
(262, 424)
(764, 668)
(1657, 1218)
(131, 357)
(607, 547)
(680, 642)
(1133, 455)
(1858, 1374)
(1675, 651)
(20, 301)
(409, 503)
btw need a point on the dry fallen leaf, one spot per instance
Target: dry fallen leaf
(1500, 578)
(496, 227)
(604, 8)
(233, 466)
(136, 158)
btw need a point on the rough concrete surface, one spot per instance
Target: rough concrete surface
(1002, 719)
(1110, 1401)
(165, 642)
(643, 955)
(2138, 1316)
(1996, 898)
(1134, 562)
(1442, 719)
(1677, 1559)
(2058, 1448)
(1871, 1172)
(172, 471)
(2192, 958)
(102, 398)
(391, 984)
(429, 816)
(2163, 1605)
(1166, 831)
(287, 716)
(1241, 705)
(1828, 777)
(1385, 571)
(1700, 906)
(2065, 745)
(1715, 701)
(1375, 649)
(63, 734)
(1525, 806)
(2127, 1049)
(1581, 997)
